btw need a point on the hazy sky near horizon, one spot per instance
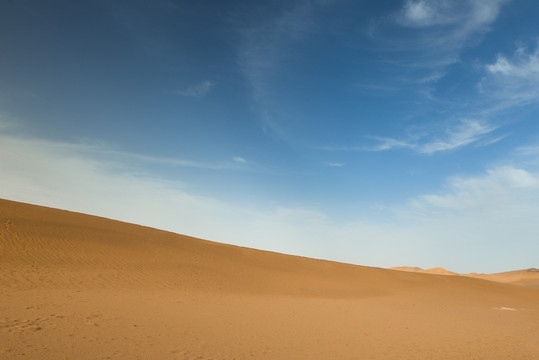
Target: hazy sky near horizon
(380, 133)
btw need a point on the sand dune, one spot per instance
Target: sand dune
(407, 268)
(438, 271)
(74, 286)
(435, 270)
(526, 277)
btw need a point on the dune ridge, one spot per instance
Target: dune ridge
(75, 286)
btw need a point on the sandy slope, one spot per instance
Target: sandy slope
(74, 286)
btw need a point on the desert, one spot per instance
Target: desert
(75, 286)
(269, 180)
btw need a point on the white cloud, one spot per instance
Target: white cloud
(426, 13)
(240, 160)
(198, 90)
(439, 30)
(387, 143)
(488, 194)
(465, 17)
(492, 216)
(515, 80)
(334, 164)
(465, 133)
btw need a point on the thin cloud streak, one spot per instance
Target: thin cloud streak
(168, 161)
(529, 150)
(198, 90)
(334, 164)
(102, 151)
(265, 47)
(467, 132)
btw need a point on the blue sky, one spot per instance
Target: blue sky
(377, 133)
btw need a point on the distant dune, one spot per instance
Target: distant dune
(436, 270)
(526, 277)
(75, 286)
(406, 268)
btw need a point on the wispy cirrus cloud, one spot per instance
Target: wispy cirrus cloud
(432, 37)
(266, 46)
(466, 132)
(491, 193)
(528, 150)
(471, 16)
(437, 32)
(334, 164)
(197, 90)
(106, 153)
(513, 80)
(161, 160)
(422, 13)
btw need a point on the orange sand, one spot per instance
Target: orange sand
(74, 286)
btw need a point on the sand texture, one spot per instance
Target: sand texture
(74, 286)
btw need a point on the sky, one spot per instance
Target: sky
(379, 133)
